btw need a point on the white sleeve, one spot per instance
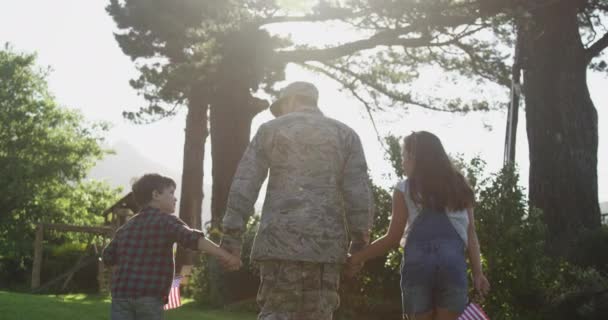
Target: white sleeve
(401, 186)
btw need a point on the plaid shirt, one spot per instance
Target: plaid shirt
(142, 251)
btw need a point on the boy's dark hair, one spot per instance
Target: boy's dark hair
(144, 186)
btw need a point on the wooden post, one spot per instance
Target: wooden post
(122, 215)
(37, 256)
(101, 279)
(513, 115)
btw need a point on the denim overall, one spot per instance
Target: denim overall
(433, 270)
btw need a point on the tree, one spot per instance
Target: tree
(471, 38)
(167, 52)
(45, 154)
(246, 66)
(194, 53)
(561, 119)
(474, 39)
(169, 78)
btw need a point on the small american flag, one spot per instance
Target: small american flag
(174, 298)
(473, 312)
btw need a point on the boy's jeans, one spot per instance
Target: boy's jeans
(144, 308)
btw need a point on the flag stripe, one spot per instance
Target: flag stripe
(470, 314)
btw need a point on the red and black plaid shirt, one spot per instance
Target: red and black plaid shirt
(142, 251)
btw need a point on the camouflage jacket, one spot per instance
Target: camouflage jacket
(318, 198)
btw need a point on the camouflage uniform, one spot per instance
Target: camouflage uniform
(318, 202)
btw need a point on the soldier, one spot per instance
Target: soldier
(318, 206)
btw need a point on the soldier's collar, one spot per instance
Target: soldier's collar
(307, 108)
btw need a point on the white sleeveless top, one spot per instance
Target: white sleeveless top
(459, 219)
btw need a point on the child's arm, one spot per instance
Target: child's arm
(195, 240)
(232, 262)
(393, 235)
(479, 280)
(178, 231)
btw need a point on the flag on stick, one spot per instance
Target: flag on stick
(174, 297)
(473, 312)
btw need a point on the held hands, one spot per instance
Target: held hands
(230, 262)
(353, 266)
(230, 259)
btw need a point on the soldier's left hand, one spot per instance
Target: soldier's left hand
(352, 268)
(231, 262)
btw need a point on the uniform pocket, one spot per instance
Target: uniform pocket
(330, 283)
(268, 276)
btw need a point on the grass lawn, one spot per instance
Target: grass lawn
(19, 306)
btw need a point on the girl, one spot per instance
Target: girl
(433, 218)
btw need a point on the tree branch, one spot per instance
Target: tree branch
(477, 64)
(332, 53)
(595, 49)
(334, 15)
(392, 37)
(403, 98)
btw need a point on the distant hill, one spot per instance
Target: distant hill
(123, 167)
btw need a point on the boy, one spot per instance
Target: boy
(141, 252)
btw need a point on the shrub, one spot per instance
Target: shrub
(235, 289)
(526, 282)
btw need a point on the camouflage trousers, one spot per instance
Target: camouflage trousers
(292, 290)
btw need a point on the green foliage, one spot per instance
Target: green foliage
(393, 154)
(410, 39)
(588, 250)
(45, 154)
(512, 240)
(240, 287)
(526, 282)
(375, 292)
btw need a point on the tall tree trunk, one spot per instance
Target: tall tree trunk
(231, 114)
(190, 204)
(561, 124)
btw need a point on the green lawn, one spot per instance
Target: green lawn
(18, 306)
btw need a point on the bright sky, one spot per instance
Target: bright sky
(90, 73)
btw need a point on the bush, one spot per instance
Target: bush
(46, 152)
(526, 282)
(375, 293)
(212, 287)
(79, 204)
(591, 250)
(58, 259)
(579, 294)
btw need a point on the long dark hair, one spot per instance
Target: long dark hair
(435, 182)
